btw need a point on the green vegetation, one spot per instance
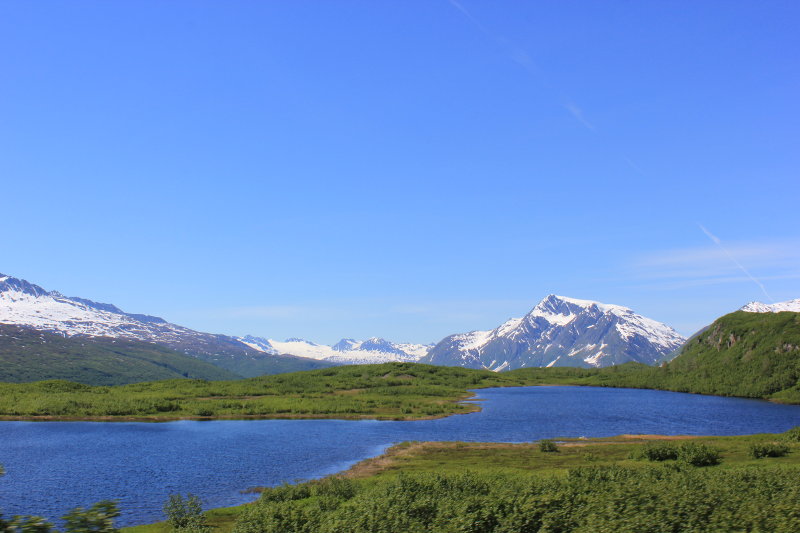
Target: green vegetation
(698, 454)
(392, 390)
(30, 355)
(793, 435)
(547, 446)
(587, 499)
(656, 451)
(690, 453)
(759, 450)
(591, 485)
(186, 515)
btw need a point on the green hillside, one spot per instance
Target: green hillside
(753, 355)
(30, 355)
(742, 354)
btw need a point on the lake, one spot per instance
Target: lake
(52, 467)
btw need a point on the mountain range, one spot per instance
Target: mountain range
(25, 304)
(346, 351)
(558, 331)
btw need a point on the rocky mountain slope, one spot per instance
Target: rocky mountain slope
(561, 331)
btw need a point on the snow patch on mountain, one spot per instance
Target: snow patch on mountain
(346, 351)
(561, 331)
(759, 307)
(23, 303)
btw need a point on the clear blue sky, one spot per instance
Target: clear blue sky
(400, 169)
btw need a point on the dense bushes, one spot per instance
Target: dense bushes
(547, 446)
(693, 453)
(588, 499)
(697, 454)
(760, 450)
(656, 451)
(793, 435)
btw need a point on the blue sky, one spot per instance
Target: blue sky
(401, 169)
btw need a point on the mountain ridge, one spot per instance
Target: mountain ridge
(346, 351)
(561, 331)
(26, 304)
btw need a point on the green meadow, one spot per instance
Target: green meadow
(392, 390)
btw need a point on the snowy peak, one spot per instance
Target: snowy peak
(759, 307)
(561, 331)
(562, 309)
(346, 351)
(257, 343)
(25, 304)
(345, 345)
(10, 284)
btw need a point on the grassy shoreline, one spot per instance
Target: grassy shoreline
(481, 458)
(390, 391)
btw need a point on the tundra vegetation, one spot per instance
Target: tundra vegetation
(626, 483)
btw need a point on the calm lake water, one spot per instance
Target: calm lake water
(52, 467)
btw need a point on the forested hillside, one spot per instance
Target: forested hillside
(30, 355)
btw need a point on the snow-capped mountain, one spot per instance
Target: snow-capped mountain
(346, 351)
(561, 331)
(759, 307)
(26, 304)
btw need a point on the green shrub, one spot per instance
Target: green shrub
(768, 449)
(697, 454)
(99, 518)
(547, 446)
(793, 435)
(185, 515)
(656, 451)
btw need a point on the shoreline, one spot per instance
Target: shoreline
(427, 456)
(468, 399)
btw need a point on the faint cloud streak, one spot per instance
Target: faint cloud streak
(578, 114)
(521, 57)
(718, 242)
(718, 264)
